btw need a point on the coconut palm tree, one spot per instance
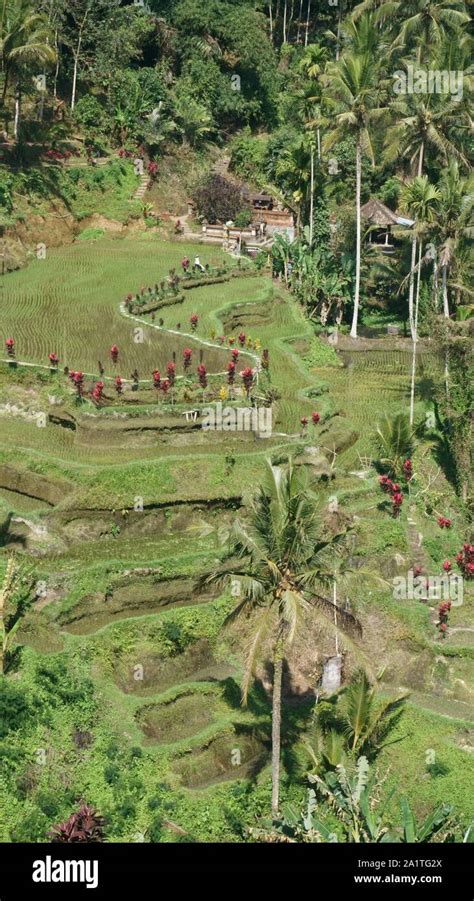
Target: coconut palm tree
(422, 123)
(394, 441)
(281, 565)
(416, 23)
(25, 39)
(421, 199)
(424, 23)
(454, 226)
(353, 94)
(294, 172)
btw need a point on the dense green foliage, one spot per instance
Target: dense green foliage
(134, 532)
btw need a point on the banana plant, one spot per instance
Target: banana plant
(15, 598)
(355, 799)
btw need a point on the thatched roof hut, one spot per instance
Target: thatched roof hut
(378, 214)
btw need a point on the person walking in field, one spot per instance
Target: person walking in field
(185, 264)
(198, 264)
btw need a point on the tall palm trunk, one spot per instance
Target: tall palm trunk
(74, 82)
(76, 54)
(415, 339)
(307, 24)
(445, 290)
(276, 727)
(435, 283)
(411, 289)
(16, 127)
(311, 200)
(355, 317)
(338, 35)
(290, 21)
(56, 70)
(285, 13)
(270, 10)
(298, 33)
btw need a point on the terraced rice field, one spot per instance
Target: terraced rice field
(68, 303)
(122, 596)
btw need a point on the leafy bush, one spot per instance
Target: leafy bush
(248, 155)
(89, 113)
(243, 219)
(14, 708)
(90, 234)
(218, 200)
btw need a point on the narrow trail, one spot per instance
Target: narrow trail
(142, 187)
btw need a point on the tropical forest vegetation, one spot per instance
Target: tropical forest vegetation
(236, 386)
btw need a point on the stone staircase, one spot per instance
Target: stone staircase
(142, 187)
(221, 167)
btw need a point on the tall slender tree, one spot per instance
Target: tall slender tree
(455, 229)
(422, 123)
(421, 200)
(25, 40)
(354, 96)
(283, 564)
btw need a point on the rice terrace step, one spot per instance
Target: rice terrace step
(236, 545)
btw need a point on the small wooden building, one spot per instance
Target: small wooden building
(382, 219)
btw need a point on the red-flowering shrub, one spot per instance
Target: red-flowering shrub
(202, 375)
(315, 417)
(231, 340)
(78, 379)
(465, 560)
(152, 169)
(187, 356)
(171, 370)
(10, 346)
(235, 355)
(53, 359)
(386, 484)
(84, 826)
(114, 352)
(247, 378)
(397, 501)
(304, 421)
(444, 522)
(231, 373)
(443, 614)
(447, 566)
(408, 470)
(242, 339)
(156, 378)
(118, 385)
(194, 321)
(98, 391)
(165, 386)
